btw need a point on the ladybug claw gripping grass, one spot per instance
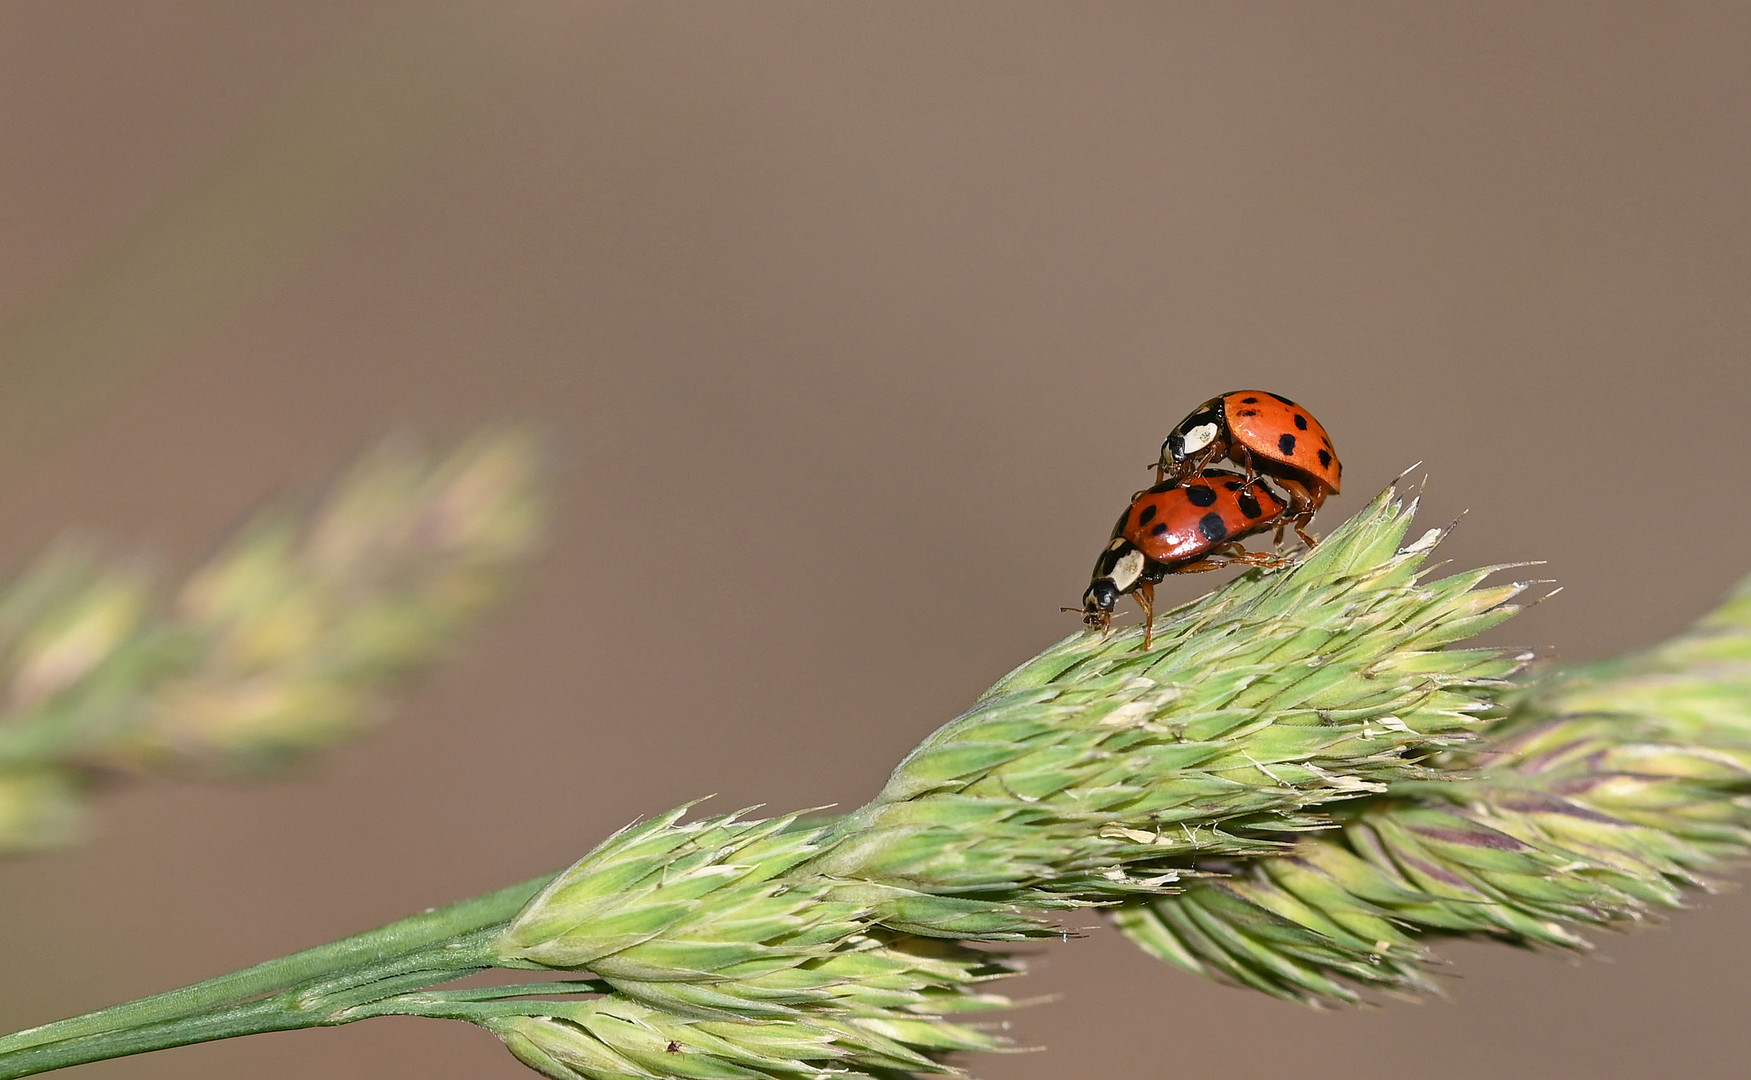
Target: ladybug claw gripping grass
(1267, 435)
(1179, 527)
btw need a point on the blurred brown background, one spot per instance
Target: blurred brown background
(856, 324)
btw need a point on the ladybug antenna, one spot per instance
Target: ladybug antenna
(1093, 618)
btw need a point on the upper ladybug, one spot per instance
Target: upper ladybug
(1266, 434)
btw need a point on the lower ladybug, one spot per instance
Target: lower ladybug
(1179, 527)
(1265, 433)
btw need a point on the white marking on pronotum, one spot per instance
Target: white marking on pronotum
(1199, 437)
(1118, 542)
(1127, 569)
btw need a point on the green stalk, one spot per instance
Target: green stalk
(209, 1006)
(341, 1000)
(251, 1019)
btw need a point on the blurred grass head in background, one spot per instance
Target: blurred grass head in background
(285, 641)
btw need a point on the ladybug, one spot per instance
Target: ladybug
(1179, 527)
(1266, 434)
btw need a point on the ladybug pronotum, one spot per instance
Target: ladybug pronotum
(1266, 434)
(1179, 527)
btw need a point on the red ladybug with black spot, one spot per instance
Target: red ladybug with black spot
(1179, 527)
(1266, 434)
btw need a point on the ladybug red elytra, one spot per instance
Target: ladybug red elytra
(1179, 527)
(1264, 433)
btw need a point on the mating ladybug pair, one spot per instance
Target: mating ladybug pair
(1195, 516)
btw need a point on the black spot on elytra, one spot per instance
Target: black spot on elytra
(1212, 527)
(1200, 495)
(1247, 412)
(1300, 422)
(1249, 401)
(1232, 485)
(1159, 530)
(1281, 398)
(1147, 515)
(1286, 443)
(1249, 506)
(1325, 459)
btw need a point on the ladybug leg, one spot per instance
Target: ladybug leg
(1239, 554)
(1302, 506)
(1314, 500)
(1163, 469)
(1145, 597)
(1198, 567)
(1243, 457)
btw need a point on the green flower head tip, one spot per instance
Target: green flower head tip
(1098, 769)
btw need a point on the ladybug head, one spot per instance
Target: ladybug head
(1098, 601)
